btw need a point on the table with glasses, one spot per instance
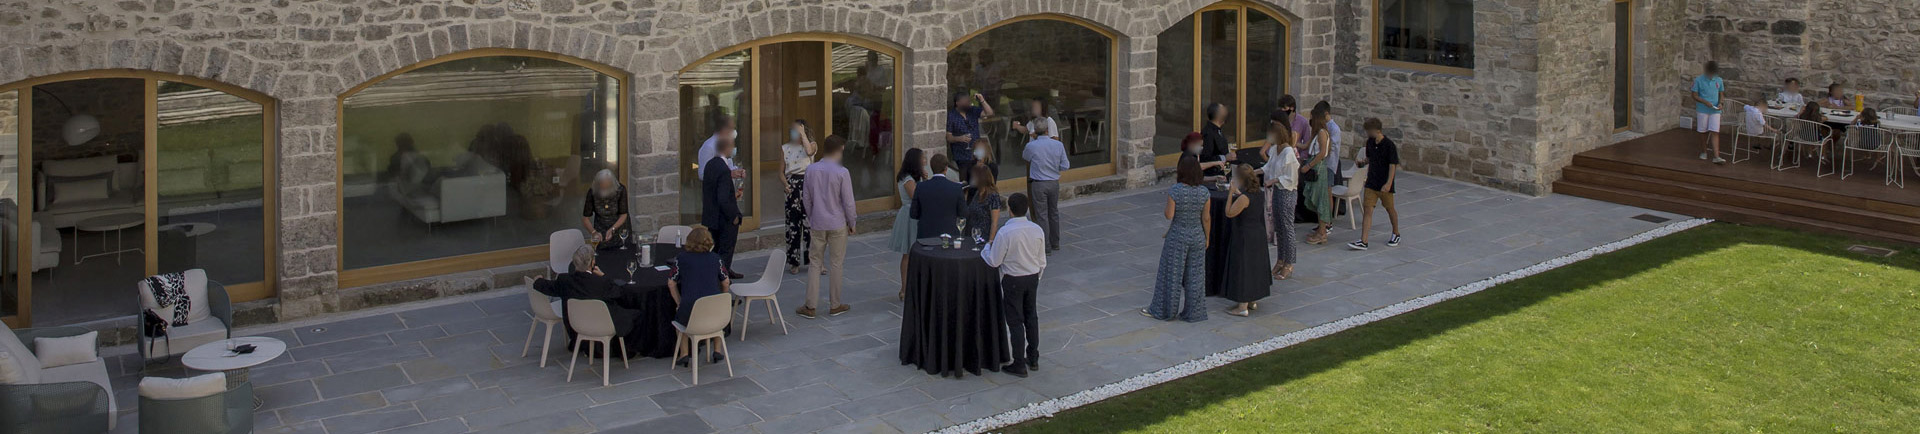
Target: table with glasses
(952, 320)
(645, 286)
(1906, 123)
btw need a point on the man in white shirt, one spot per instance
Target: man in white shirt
(707, 149)
(1020, 251)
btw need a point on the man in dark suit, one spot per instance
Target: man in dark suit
(720, 203)
(937, 202)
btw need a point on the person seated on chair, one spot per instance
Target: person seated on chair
(585, 282)
(698, 275)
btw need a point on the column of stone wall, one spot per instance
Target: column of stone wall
(1576, 107)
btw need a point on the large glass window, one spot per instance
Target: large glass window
(838, 87)
(1067, 65)
(1430, 32)
(95, 151)
(1231, 53)
(472, 155)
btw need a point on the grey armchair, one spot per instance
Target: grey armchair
(64, 399)
(212, 324)
(230, 412)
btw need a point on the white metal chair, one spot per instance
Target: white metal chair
(560, 247)
(710, 317)
(762, 290)
(1745, 137)
(675, 234)
(592, 323)
(542, 314)
(1899, 111)
(1869, 140)
(1803, 133)
(1906, 154)
(1351, 194)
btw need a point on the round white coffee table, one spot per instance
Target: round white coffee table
(216, 357)
(110, 222)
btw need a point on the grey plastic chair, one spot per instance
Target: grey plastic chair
(542, 314)
(230, 412)
(592, 323)
(710, 317)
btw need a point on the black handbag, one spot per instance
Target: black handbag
(155, 329)
(1310, 176)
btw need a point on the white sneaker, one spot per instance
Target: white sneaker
(1718, 160)
(1703, 155)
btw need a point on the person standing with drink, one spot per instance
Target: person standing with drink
(1019, 250)
(1283, 181)
(796, 155)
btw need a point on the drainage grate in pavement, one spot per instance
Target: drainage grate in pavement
(1650, 218)
(1871, 251)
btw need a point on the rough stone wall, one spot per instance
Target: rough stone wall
(1481, 128)
(1576, 79)
(1865, 44)
(306, 54)
(1660, 71)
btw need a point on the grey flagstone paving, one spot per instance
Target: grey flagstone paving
(453, 366)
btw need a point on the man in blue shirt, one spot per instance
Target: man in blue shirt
(1706, 108)
(963, 127)
(1046, 158)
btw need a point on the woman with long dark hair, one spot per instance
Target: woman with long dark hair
(913, 169)
(1183, 256)
(1318, 178)
(983, 204)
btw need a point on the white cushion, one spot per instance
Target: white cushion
(92, 372)
(196, 286)
(183, 388)
(80, 166)
(29, 365)
(193, 335)
(81, 190)
(66, 351)
(10, 370)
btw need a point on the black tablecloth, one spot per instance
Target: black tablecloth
(952, 320)
(1217, 242)
(652, 334)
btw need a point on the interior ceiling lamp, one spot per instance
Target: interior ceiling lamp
(80, 127)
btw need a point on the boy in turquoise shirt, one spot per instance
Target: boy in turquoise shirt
(1706, 107)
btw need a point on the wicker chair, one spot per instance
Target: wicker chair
(64, 399)
(211, 325)
(230, 412)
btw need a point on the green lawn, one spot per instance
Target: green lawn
(1721, 328)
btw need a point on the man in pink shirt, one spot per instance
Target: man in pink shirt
(828, 196)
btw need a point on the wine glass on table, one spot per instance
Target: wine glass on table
(960, 225)
(633, 266)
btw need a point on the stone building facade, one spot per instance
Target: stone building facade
(1540, 93)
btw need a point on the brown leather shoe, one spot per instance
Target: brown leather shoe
(837, 310)
(804, 312)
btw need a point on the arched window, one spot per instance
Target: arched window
(1233, 53)
(1062, 62)
(840, 85)
(107, 177)
(471, 160)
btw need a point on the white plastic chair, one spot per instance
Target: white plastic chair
(1804, 133)
(560, 247)
(762, 290)
(1869, 140)
(542, 314)
(1906, 154)
(710, 317)
(592, 323)
(675, 234)
(1351, 194)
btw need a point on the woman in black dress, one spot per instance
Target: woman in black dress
(983, 204)
(1247, 279)
(605, 216)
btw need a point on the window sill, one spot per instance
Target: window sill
(1419, 68)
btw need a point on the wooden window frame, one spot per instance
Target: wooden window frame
(1241, 19)
(365, 276)
(269, 162)
(1375, 58)
(1109, 168)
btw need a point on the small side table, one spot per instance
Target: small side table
(215, 357)
(102, 224)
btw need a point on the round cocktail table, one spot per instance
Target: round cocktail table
(110, 222)
(217, 357)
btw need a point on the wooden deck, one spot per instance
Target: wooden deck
(1663, 171)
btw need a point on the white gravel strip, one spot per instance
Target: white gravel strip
(1049, 407)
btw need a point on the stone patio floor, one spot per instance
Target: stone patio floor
(450, 366)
